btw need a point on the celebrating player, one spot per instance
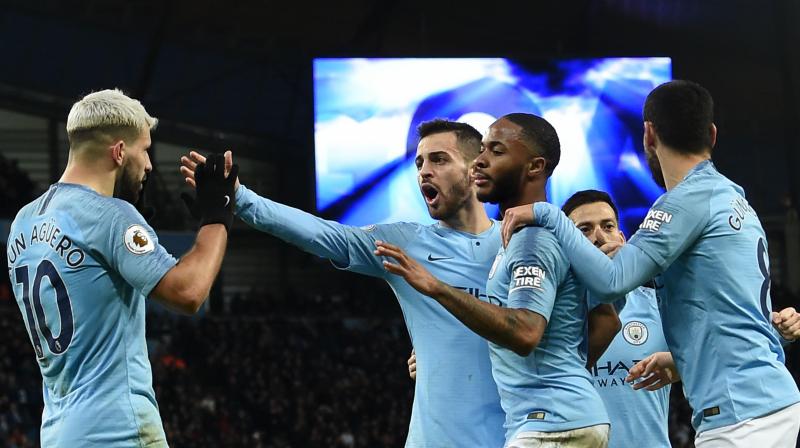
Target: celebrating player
(536, 319)
(707, 246)
(637, 418)
(455, 400)
(83, 259)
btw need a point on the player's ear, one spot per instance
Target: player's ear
(622, 235)
(536, 166)
(649, 139)
(118, 152)
(713, 131)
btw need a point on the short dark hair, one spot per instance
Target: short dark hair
(682, 113)
(468, 138)
(541, 136)
(589, 197)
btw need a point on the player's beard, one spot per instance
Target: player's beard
(502, 187)
(453, 201)
(128, 185)
(655, 168)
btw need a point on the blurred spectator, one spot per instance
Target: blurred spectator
(304, 371)
(16, 188)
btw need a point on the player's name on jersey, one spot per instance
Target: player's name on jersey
(740, 209)
(49, 233)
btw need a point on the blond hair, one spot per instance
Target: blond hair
(107, 112)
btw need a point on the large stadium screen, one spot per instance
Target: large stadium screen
(367, 111)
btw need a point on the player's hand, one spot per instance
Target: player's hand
(656, 371)
(787, 322)
(611, 248)
(412, 365)
(414, 273)
(189, 165)
(215, 196)
(515, 218)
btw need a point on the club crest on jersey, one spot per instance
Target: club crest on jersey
(654, 220)
(369, 228)
(635, 332)
(138, 241)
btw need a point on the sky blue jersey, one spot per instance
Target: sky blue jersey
(539, 392)
(81, 265)
(638, 417)
(708, 248)
(455, 398)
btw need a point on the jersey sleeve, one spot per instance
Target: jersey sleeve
(348, 247)
(607, 279)
(133, 250)
(537, 266)
(673, 224)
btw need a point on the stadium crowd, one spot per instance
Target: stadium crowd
(245, 379)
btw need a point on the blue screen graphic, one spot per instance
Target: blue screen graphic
(367, 110)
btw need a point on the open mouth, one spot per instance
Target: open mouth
(430, 193)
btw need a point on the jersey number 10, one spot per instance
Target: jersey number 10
(57, 345)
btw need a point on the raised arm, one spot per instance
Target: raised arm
(185, 287)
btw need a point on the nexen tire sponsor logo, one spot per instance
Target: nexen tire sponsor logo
(528, 277)
(654, 219)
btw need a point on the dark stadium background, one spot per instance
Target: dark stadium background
(289, 352)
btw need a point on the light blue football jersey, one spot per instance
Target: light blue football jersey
(715, 301)
(550, 389)
(456, 403)
(81, 265)
(709, 249)
(638, 417)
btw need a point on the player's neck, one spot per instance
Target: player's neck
(98, 180)
(675, 166)
(531, 192)
(471, 218)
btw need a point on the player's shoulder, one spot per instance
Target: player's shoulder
(26, 211)
(400, 227)
(536, 234)
(702, 182)
(535, 240)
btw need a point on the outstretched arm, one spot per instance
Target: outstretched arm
(519, 330)
(608, 279)
(324, 238)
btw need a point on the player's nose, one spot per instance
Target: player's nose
(599, 237)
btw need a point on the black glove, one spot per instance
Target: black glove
(215, 194)
(147, 211)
